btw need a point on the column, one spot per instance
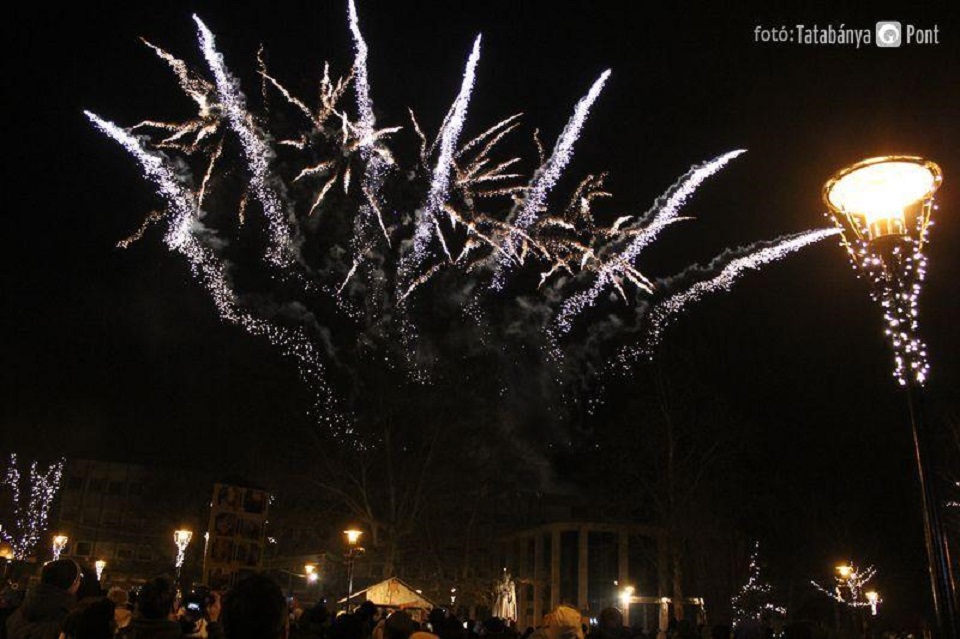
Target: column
(583, 573)
(623, 568)
(554, 567)
(537, 578)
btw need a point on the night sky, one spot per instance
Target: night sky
(114, 353)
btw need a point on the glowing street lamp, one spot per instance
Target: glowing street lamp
(354, 550)
(100, 564)
(59, 543)
(310, 570)
(845, 571)
(873, 598)
(882, 207)
(182, 539)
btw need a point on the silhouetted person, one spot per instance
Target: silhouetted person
(399, 625)
(154, 615)
(46, 605)
(91, 619)
(255, 609)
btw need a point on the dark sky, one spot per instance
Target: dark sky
(118, 353)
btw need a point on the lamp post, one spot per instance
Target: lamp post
(882, 207)
(354, 550)
(59, 543)
(182, 539)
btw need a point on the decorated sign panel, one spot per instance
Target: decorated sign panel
(235, 533)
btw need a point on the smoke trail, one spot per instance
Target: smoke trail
(257, 152)
(662, 213)
(725, 270)
(547, 175)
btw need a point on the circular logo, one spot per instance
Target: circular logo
(888, 34)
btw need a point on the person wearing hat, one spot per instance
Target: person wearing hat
(47, 604)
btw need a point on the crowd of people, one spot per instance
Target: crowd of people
(69, 603)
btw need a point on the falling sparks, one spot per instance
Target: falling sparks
(183, 237)
(29, 515)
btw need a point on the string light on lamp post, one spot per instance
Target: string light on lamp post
(100, 564)
(59, 543)
(182, 539)
(354, 550)
(883, 208)
(873, 600)
(849, 585)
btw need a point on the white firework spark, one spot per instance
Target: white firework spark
(256, 151)
(440, 182)
(366, 121)
(665, 211)
(181, 237)
(728, 275)
(547, 175)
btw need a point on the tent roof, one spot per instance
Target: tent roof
(412, 592)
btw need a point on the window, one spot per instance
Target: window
(75, 482)
(110, 517)
(96, 485)
(125, 552)
(135, 488)
(83, 549)
(145, 553)
(115, 488)
(105, 550)
(69, 513)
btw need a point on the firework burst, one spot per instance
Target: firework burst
(350, 236)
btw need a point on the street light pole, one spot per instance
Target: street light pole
(882, 207)
(353, 551)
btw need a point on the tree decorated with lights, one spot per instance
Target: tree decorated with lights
(850, 587)
(30, 507)
(753, 601)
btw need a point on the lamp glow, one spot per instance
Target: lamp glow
(182, 539)
(353, 536)
(876, 194)
(100, 564)
(311, 571)
(59, 543)
(873, 599)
